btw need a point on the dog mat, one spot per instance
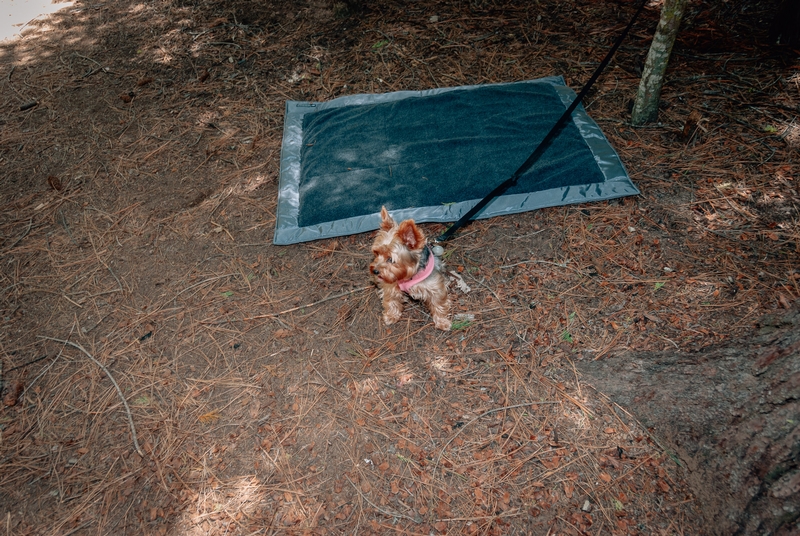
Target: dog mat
(432, 155)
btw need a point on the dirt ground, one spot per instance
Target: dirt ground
(167, 370)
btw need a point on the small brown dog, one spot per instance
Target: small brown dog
(405, 264)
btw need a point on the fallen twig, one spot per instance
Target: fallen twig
(23, 235)
(110, 377)
(275, 315)
(535, 261)
(312, 304)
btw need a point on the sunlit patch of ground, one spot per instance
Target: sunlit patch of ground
(17, 15)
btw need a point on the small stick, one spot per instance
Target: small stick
(276, 315)
(323, 300)
(190, 287)
(31, 362)
(534, 261)
(42, 373)
(23, 235)
(110, 377)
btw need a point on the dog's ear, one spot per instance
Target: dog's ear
(386, 221)
(410, 234)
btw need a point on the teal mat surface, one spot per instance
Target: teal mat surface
(431, 155)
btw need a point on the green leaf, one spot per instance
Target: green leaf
(227, 294)
(675, 458)
(460, 324)
(380, 44)
(566, 337)
(659, 284)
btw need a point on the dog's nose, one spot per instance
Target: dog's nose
(376, 271)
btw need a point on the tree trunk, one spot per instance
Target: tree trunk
(645, 107)
(731, 414)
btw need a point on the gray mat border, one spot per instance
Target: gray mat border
(617, 182)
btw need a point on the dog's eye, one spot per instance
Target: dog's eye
(389, 260)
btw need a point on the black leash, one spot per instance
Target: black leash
(545, 143)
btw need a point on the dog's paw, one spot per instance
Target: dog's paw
(442, 322)
(390, 318)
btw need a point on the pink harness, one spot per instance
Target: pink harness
(421, 276)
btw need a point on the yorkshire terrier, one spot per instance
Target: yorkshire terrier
(405, 264)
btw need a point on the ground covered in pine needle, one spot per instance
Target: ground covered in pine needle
(167, 370)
